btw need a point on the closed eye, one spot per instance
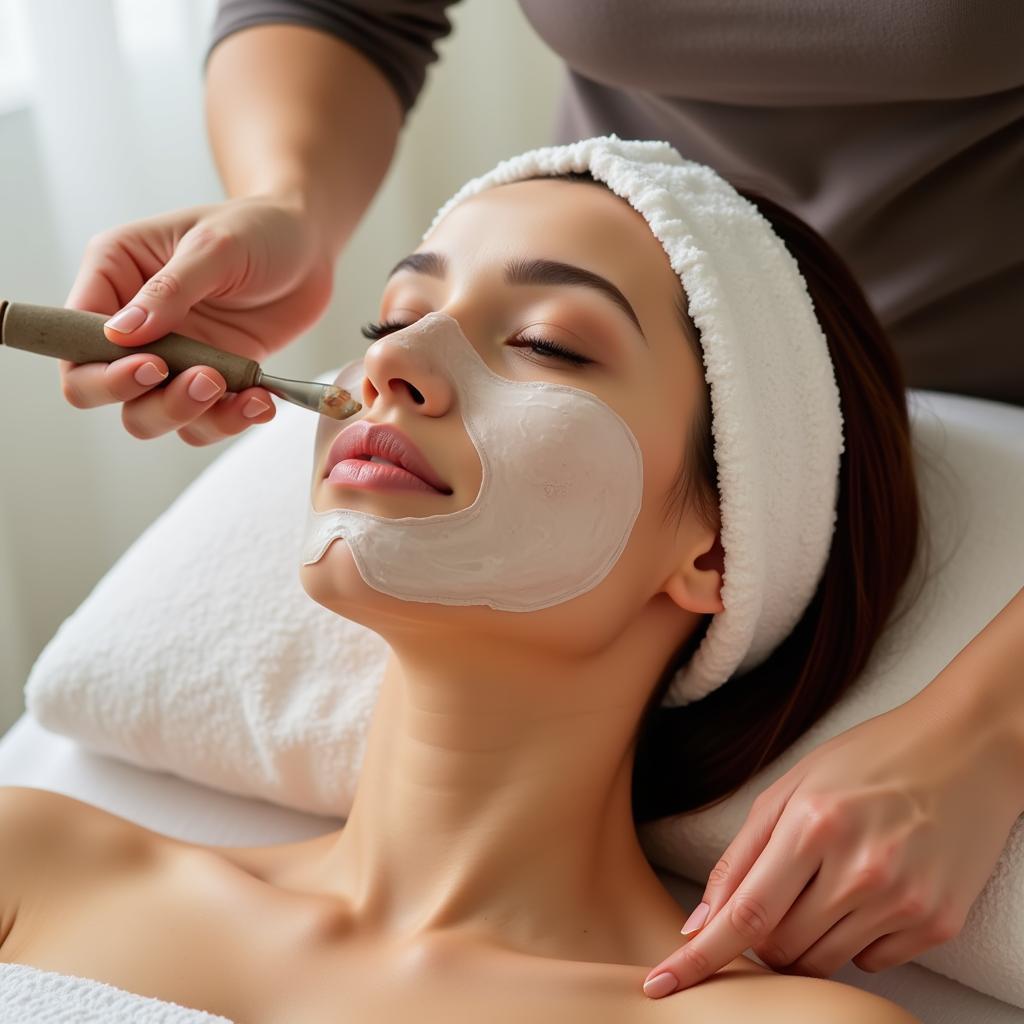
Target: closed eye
(377, 329)
(543, 346)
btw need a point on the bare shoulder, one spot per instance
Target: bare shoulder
(835, 1002)
(740, 996)
(36, 823)
(34, 827)
(795, 999)
(741, 992)
(49, 837)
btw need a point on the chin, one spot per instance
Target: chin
(334, 581)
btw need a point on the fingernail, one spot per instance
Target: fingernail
(696, 919)
(202, 389)
(127, 320)
(661, 984)
(254, 407)
(149, 373)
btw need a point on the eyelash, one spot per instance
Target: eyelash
(374, 330)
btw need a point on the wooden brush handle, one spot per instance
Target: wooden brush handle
(78, 336)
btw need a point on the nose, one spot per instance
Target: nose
(399, 369)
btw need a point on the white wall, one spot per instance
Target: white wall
(75, 488)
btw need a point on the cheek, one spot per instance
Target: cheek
(586, 624)
(652, 541)
(662, 441)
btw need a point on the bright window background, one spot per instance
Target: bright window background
(14, 66)
(101, 122)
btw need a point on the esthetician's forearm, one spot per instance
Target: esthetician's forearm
(982, 691)
(298, 112)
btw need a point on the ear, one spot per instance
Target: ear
(697, 584)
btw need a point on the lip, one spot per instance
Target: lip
(352, 448)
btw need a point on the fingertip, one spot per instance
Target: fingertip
(126, 321)
(661, 984)
(206, 384)
(258, 406)
(150, 372)
(697, 920)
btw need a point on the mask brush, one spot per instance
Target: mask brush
(78, 336)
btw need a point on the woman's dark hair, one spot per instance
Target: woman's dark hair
(695, 756)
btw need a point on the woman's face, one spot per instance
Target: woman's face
(491, 270)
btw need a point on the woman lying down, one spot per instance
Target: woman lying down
(610, 459)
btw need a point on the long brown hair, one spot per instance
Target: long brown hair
(695, 756)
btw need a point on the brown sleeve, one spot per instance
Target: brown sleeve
(397, 35)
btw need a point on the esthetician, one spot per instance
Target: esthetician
(896, 132)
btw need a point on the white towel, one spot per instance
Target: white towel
(199, 654)
(31, 996)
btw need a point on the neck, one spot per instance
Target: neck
(494, 801)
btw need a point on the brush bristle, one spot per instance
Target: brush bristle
(338, 403)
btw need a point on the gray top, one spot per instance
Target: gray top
(895, 129)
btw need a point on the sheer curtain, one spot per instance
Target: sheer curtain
(101, 122)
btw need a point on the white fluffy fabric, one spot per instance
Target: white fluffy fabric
(31, 996)
(776, 417)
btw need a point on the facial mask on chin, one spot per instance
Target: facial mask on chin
(562, 486)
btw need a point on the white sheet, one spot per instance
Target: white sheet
(32, 756)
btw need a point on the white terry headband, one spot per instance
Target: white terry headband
(776, 417)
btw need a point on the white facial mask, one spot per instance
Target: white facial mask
(562, 486)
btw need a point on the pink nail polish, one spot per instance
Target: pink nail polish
(254, 407)
(696, 920)
(127, 319)
(202, 389)
(661, 985)
(149, 373)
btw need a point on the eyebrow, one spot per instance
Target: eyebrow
(519, 271)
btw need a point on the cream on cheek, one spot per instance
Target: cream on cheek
(562, 487)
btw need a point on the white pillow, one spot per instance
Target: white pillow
(199, 653)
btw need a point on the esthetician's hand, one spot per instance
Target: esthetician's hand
(245, 276)
(872, 848)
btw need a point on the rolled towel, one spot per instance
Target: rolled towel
(29, 995)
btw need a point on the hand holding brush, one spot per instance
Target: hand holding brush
(243, 276)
